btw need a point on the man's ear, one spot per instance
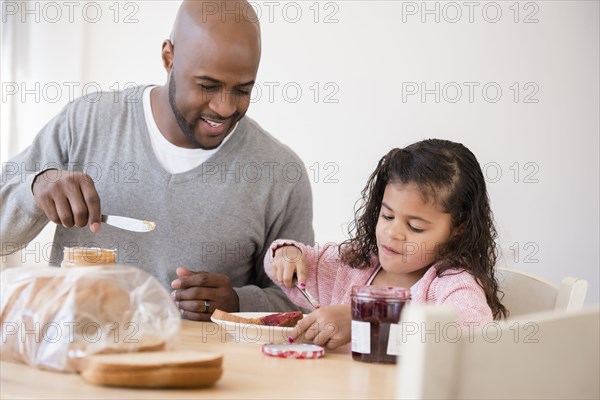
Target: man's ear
(167, 55)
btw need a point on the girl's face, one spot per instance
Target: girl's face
(409, 231)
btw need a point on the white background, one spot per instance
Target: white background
(356, 63)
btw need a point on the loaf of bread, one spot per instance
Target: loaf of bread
(53, 318)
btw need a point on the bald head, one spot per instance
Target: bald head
(236, 16)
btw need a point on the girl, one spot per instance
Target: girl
(425, 223)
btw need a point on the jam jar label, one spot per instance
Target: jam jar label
(394, 347)
(361, 337)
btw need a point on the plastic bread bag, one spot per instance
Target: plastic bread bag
(52, 318)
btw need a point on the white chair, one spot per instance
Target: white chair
(525, 293)
(555, 357)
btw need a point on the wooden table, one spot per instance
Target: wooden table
(247, 374)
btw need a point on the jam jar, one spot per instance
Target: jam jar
(88, 256)
(375, 315)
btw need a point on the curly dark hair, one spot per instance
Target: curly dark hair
(448, 174)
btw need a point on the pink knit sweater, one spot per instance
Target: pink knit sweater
(330, 281)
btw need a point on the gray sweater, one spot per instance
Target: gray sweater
(220, 217)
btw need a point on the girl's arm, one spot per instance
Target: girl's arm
(316, 266)
(329, 325)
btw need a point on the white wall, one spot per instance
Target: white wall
(539, 147)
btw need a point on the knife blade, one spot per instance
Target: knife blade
(309, 297)
(129, 224)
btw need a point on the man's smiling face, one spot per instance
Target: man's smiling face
(214, 66)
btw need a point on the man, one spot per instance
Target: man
(219, 188)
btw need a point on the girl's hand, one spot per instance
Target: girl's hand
(289, 260)
(327, 326)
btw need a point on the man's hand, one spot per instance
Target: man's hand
(327, 326)
(199, 294)
(68, 198)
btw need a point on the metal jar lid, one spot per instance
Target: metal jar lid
(293, 350)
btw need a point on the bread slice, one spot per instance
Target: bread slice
(286, 319)
(152, 359)
(156, 378)
(225, 316)
(154, 369)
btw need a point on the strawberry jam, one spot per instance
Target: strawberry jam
(375, 311)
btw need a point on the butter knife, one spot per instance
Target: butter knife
(309, 297)
(130, 224)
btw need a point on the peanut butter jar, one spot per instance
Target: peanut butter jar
(88, 256)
